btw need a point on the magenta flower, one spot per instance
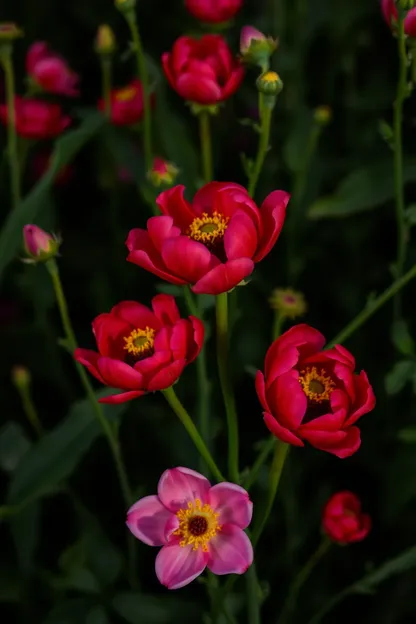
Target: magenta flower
(197, 525)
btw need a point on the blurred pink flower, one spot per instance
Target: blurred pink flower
(50, 71)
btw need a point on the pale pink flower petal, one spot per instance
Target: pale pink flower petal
(180, 485)
(230, 551)
(147, 520)
(177, 566)
(232, 503)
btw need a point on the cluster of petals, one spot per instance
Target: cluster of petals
(196, 525)
(213, 11)
(342, 519)
(203, 70)
(390, 14)
(126, 103)
(313, 395)
(36, 119)
(141, 349)
(212, 243)
(49, 71)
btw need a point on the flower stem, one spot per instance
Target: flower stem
(266, 106)
(261, 458)
(204, 389)
(29, 409)
(253, 595)
(106, 66)
(6, 61)
(402, 231)
(186, 420)
(206, 146)
(144, 78)
(280, 453)
(372, 307)
(227, 391)
(301, 578)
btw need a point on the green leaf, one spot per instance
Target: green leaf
(402, 339)
(363, 189)
(398, 565)
(66, 148)
(73, 611)
(408, 434)
(136, 608)
(25, 529)
(14, 444)
(170, 289)
(126, 152)
(400, 374)
(57, 454)
(411, 214)
(97, 615)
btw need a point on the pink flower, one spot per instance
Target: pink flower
(343, 520)
(36, 119)
(39, 245)
(50, 71)
(197, 525)
(389, 10)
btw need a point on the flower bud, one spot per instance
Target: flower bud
(288, 303)
(9, 31)
(255, 47)
(322, 115)
(163, 173)
(125, 6)
(39, 245)
(269, 83)
(21, 377)
(105, 41)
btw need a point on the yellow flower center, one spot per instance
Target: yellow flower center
(197, 525)
(140, 342)
(270, 76)
(208, 229)
(126, 95)
(316, 385)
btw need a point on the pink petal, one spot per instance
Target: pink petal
(186, 258)
(280, 432)
(177, 566)
(165, 309)
(147, 520)
(273, 213)
(167, 376)
(178, 486)
(224, 277)
(365, 399)
(288, 402)
(89, 359)
(340, 443)
(240, 238)
(123, 397)
(161, 228)
(119, 375)
(194, 88)
(230, 551)
(410, 23)
(173, 203)
(232, 503)
(138, 315)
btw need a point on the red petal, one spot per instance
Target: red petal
(119, 375)
(151, 365)
(186, 258)
(342, 355)
(198, 338)
(224, 277)
(167, 376)
(340, 443)
(280, 432)
(304, 338)
(138, 315)
(205, 198)
(195, 88)
(115, 399)
(89, 359)
(160, 229)
(165, 309)
(261, 390)
(167, 68)
(233, 83)
(365, 399)
(240, 238)
(173, 203)
(287, 400)
(272, 213)
(109, 331)
(181, 52)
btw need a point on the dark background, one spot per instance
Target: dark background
(331, 52)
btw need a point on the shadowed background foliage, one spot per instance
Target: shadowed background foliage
(62, 556)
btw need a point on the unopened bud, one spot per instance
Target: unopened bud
(255, 47)
(21, 377)
(323, 115)
(288, 303)
(39, 245)
(9, 31)
(125, 6)
(105, 41)
(269, 83)
(163, 173)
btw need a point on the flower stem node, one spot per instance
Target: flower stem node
(269, 83)
(198, 109)
(125, 6)
(322, 115)
(105, 41)
(39, 245)
(256, 48)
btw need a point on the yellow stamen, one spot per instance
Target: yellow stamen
(126, 95)
(316, 385)
(270, 76)
(208, 228)
(197, 525)
(140, 341)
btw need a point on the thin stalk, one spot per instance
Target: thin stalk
(402, 233)
(6, 60)
(266, 118)
(30, 410)
(278, 321)
(301, 578)
(253, 595)
(144, 78)
(186, 420)
(280, 454)
(106, 67)
(371, 308)
(226, 387)
(203, 381)
(206, 145)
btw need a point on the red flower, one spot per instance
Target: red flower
(50, 71)
(314, 395)
(126, 104)
(390, 14)
(203, 70)
(142, 350)
(212, 243)
(343, 520)
(36, 119)
(213, 11)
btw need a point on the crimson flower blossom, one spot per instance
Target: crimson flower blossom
(36, 119)
(342, 519)
(196, 525)
(213, 11)
(212, 243)
(50, 71)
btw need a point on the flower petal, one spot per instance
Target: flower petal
(273, 213)
(119, 375)
(147, 520)
(199, 335)
(89, 359)
(187, 258)
(177, 566)
(261, 390)
(178, 486)
(123, 397)
(365, 399)
(240, 238)
(165, 309)
(233, 504)
(138, 315)
(288, 402)
(161, 228)
(234, 81)
(173, 203)
(224, 277)
(340, 443)
(196, 88)
(230, 551)
(167, 376)
(144, 254)
(280, 432)
(109, 331)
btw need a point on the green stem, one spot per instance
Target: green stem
(301, 578)
(253, 595)
(30, 410)
(261, 458)
(106, 66)
(144, 78)
(372, 307)
(204, 389)
(206, 146)
(226, 387)
(6, 60)
(280, 454)
(186, 420)
(266, 118)
(402, 233)
(278, 321)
